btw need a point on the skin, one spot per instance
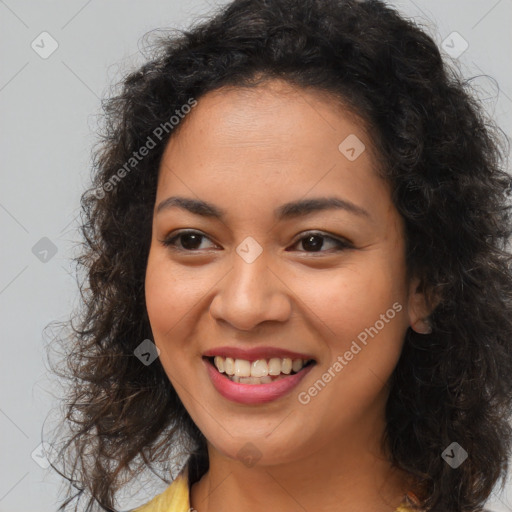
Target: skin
(248, 151)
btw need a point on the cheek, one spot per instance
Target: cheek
(346, 302)
(171, 293)
(170, 300)
(362, 321)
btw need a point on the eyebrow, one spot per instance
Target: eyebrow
(286, 211)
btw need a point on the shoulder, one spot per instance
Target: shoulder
(407, 506)
(174, 499)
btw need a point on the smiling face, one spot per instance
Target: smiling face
(271, 243)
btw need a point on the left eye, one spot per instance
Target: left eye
(315, 242)
(311, 242)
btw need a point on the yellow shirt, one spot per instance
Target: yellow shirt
(176, 498)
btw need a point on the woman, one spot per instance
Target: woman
(297, 276)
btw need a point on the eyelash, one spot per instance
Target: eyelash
(170, 242)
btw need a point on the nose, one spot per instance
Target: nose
(251, 293)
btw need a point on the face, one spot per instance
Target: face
(275, 244)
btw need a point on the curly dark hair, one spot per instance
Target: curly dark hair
(446, 163)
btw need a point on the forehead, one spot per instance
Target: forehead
(269, 144)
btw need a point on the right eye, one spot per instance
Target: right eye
(187, 241)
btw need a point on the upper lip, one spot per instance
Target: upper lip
(254, 353)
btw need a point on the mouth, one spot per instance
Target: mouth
(258, 371)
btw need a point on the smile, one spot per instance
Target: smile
(256, 381)
(260, 371)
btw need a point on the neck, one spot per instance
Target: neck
(354, 475)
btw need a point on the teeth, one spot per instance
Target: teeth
(229, 365)
(286, 365)
(242, 368)
(219, 363)
(259, 368)
(249, 380)
(259, 371)
(253, 380)
(274, 366)
(297, 365)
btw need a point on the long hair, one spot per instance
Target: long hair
(444, 161)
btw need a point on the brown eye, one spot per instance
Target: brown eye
(313, 243)
(188, 241)
(316, 242)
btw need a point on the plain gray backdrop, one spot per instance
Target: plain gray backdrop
(50, 90)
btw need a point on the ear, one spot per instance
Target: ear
(419, 308)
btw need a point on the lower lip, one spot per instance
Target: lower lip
(254, 393)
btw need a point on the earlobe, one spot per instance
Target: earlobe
(422, 326)
(418, 308)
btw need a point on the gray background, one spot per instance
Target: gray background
(48, 113)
